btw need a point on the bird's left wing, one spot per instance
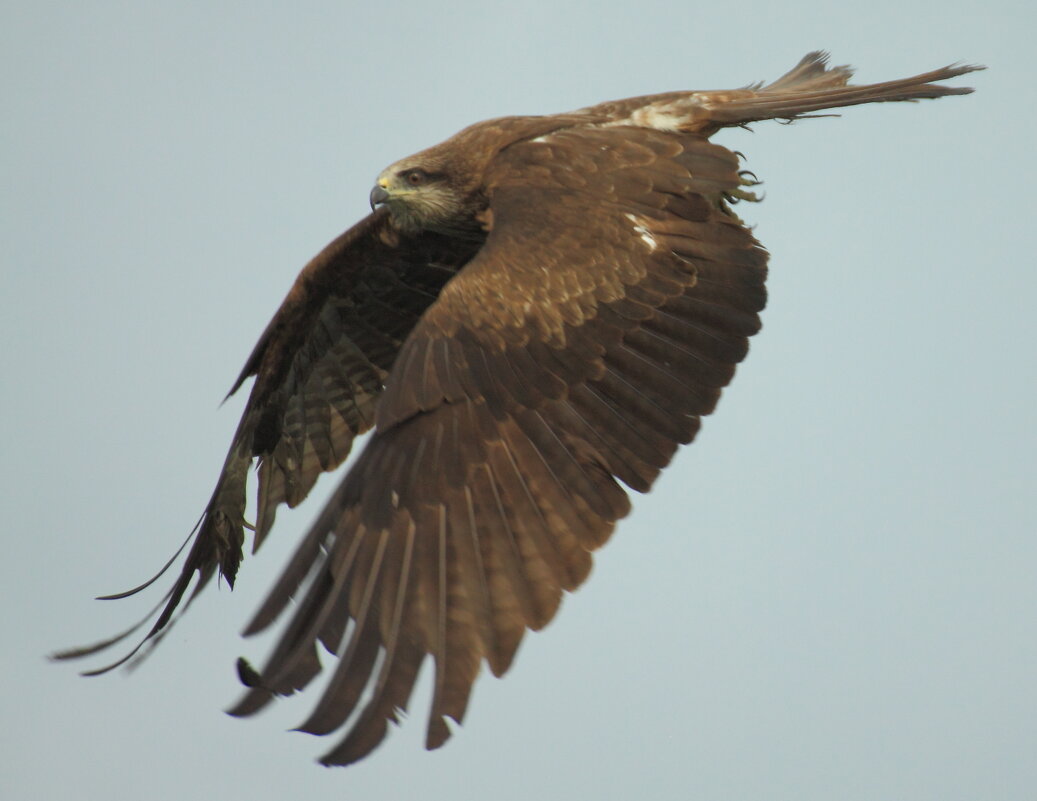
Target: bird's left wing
(320, 367)
(608, 307)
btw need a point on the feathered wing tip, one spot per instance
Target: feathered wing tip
(103, 645)
(162, 623)
(216, 545)
(812, 86)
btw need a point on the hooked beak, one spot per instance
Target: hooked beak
(378, 196)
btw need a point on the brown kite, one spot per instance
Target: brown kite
(537, 312)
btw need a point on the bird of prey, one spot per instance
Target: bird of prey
(533, 317)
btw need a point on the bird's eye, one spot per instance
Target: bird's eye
(415, 177)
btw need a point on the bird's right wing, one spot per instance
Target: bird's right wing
(608, 307)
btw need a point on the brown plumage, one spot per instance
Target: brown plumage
(538, 312)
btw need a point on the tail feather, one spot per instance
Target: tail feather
(812, 71)
(812, 86)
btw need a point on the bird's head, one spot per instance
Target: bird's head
(423, 192)
(445, 188)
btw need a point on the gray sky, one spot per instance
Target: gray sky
(829, 595)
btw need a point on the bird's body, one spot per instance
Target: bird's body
(539, 310)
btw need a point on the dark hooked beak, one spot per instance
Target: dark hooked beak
(378, 196)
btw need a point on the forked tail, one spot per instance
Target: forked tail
(812, 86)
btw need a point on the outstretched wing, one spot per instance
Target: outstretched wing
(608, 307)
(323, 360)
(320, 367)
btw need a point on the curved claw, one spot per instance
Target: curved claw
(738, 195)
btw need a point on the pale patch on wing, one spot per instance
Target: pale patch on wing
(669, 115)
(643, 232)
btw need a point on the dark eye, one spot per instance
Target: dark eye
(415, 177)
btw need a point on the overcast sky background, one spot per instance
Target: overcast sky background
(830, 595)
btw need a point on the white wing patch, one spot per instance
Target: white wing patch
(669, 115)
(643, 232)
